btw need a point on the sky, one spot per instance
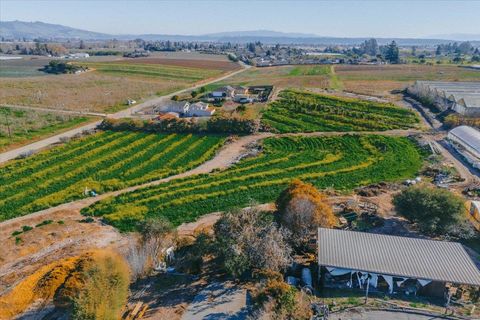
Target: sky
(361, 18)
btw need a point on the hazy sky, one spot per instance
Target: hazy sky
(327, 18)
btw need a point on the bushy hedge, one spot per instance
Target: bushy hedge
(228, 125)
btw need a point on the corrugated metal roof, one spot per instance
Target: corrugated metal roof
(468, 91)
(398, 256)
(468, 135)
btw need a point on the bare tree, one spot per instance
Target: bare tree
(138, 260)
(247, 239)
(156, 238)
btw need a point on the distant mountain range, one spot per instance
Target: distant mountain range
(33, 30)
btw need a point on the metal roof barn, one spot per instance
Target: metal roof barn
(462, 97)
(397, 256)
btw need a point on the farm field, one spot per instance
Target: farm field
(297, 111)
(26, 67)
(381, 80)
(19, 126)
(108, 87)
(374, 80)
(328, 162)
(306, 76)
(101, 162)
(134, 68)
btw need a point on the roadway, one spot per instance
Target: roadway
(38, 145)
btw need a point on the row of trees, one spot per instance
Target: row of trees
(215, 125)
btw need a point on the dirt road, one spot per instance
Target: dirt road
(12, 154)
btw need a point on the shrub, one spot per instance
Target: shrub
(44, 223)
(87, 220)
(16, 233)
(232, 125)
(436, 211)
(98, 287)
(276, 298)
(26, 228)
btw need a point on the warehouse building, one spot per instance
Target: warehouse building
(466, 140)
(392, 264)
(461, 97)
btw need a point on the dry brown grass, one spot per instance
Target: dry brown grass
(41, 285)
(49, 243)
(86, 92)
(85, 279)
(108, 89)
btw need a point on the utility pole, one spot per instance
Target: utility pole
(7, 123)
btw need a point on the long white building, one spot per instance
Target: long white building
(461, 97)
(466, 140)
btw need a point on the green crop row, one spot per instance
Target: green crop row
(102, 162)
(340, 162)
(297, 111)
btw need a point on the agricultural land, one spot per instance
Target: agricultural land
(101, 162)
(329, 162)
(108, 83)
(297, 111)
(374, 80)
(19, 126)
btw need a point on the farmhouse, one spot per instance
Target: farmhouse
(180, 107)
(185, 109)
(392, 264)
(466, 140)
(461, 97)
(226, 92)
(200, 109)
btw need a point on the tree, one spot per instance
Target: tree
(302, 209)
(436, 211)
(464, 48)
(369, 47)
(154, 233)
(194, 93)
(82, 45)
(247, 239)
(392, 53)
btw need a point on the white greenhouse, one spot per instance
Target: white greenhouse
(461, 97)
(466, 140)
